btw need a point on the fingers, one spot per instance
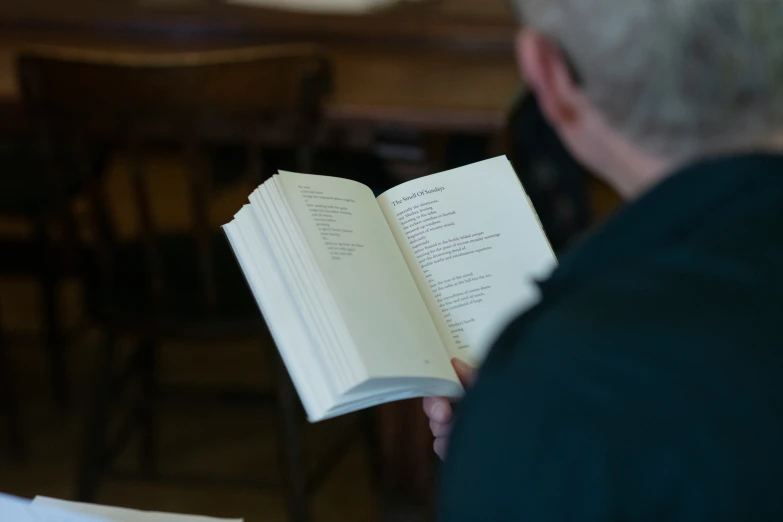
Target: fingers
(437, 409)
(465, 372)
(439, 429)
(441, 446)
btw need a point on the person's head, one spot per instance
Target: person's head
(638, 87)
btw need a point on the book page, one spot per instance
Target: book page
(22, 510)
(312, 297)
(280, 311)
(367, 275)
(475, 248)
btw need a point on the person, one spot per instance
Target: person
(647, 384)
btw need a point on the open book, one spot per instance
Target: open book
(368, 299)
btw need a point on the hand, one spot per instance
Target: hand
(439, 410)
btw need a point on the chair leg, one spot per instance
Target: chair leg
(291, 444)
(51, 315)
(55, 343)
(16, 440)
(94, 449)
(147, 418)
(369, 427)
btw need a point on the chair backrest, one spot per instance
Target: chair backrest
(252, 97)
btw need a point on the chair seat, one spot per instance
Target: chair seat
(228, 164)
(131, 299)
(21, 256)
(22, 192)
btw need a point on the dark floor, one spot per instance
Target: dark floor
(220, 443)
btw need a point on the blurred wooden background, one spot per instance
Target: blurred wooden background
(436, 65)
(431, 69)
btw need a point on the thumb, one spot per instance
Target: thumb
(465, 372)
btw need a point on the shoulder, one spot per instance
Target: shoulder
(714, 287)
(670, 329)
(632, 374)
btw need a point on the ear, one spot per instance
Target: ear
(547, 73)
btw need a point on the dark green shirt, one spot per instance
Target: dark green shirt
(648, 383)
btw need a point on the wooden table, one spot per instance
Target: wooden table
(482, 26)
(431, 91)
(432, 65)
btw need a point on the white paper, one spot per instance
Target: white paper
(79, 512)
(368, 277)
(475, 248)
(14, 509)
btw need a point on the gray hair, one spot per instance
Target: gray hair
(677, 77)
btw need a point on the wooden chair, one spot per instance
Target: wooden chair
(35, 254)
(166, 286)
(23, 198)
(9, 403)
